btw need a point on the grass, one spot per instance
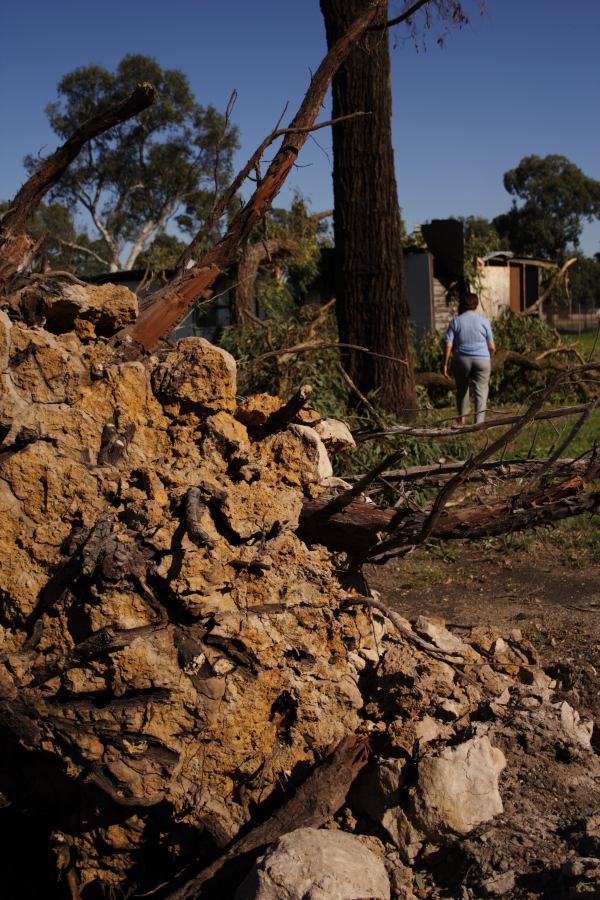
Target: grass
(588, 343)
(537, 439)
(571, 542)
(540, 439)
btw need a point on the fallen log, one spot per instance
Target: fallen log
(357, 529)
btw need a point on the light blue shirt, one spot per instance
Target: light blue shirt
(469, 334)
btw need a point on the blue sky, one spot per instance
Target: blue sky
(521, 79)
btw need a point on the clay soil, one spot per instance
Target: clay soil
(552, 594)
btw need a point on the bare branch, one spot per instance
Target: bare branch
(454, 430)
(87, 250)
(227, 198)
(307, 347)
(403, 17)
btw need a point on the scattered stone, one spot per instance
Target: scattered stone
(313, 864)
(498, 885)
(458, 789)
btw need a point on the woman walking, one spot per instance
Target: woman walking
(470, 336)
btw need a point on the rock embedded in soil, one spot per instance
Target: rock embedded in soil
(312, 864)
(458, 789)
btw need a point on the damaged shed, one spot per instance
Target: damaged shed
(436, 274)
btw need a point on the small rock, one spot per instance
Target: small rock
(335, 434)
(499, 885)
(579, 732)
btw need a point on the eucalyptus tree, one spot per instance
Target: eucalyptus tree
(552, 199)
(164, 166)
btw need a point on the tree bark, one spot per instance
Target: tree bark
(372, 307)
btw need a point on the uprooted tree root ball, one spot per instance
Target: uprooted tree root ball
(184, 680)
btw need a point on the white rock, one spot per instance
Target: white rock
(458, 789)
(335, 434)
(578, 731)
(310, 436)
(313, 864)
(439, 635)
(428, 729)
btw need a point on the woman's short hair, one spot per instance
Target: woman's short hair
(468, 301)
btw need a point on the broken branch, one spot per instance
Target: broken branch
(170, 304)
(15, 244)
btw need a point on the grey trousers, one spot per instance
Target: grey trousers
(472, 372)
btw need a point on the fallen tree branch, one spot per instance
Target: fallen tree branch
(15, 244)
(170, 304)
(454, 430)
(501, 470)
(307, 347)
(477, 522)
(346, 497)
(220, 207)
(356, 529)
(562, 446)
(450, 487)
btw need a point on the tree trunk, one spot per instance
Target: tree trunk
(252, 255)
(372, 307)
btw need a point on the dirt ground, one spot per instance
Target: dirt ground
(547, 842)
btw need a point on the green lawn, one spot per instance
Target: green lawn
(587, 343)
(540, 439)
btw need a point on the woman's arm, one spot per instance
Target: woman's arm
(447, 352)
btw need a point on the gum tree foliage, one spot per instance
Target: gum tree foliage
(584, 283)
(481, 238)
(163, 166)
(372, 307)
(556, 197)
